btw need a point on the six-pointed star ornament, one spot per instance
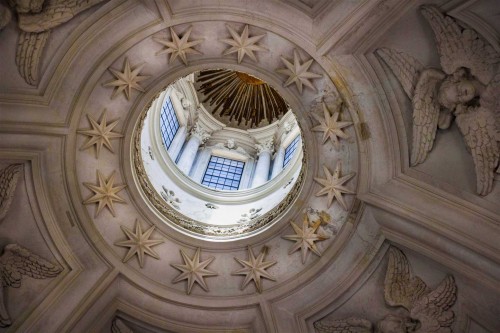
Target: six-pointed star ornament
(139, 243)
(105, 194)
(126, 80)
(100, 134)
(243, 44)
(305, 237)
(193, 270)
(333, 185)
(330, 126)
(298, 73)
(179, 47)
(255, 268)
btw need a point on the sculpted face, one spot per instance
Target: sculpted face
(459, 92)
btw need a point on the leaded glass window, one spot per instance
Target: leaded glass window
(223, 173)
(290, 150)
(169, 124)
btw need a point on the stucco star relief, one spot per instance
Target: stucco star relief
(179, 47)
(127, 79)
(243, 44)
(139, 243)
(333, 185)
(194, 271)
(100, 134)
(305, 237)
(331, 126)
(105, 193)
(298, 73)
(255, 268)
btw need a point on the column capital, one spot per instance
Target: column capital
(200, 132)
(266, 146)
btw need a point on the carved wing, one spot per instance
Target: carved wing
(479, 128)
(119, 326)
(425, 114)
(406, 68)
(433, 309)
(8, 182)
(29, 51)
(461, 47)
(17, 261)
(400, 287)
(348, 325)
(54, 13)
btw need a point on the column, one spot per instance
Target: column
(278, 162)
(198, 136)
(264, 151)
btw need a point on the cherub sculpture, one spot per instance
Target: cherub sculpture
(36, 18)
(466, 89)
(8, 182)
(428, 310)
(15, 262)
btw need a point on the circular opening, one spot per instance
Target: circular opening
(220, 153)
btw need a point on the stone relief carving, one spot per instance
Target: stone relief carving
(466, 89)
(105, 193)
(139, 243)
(36, 18)
(200, 132)
(333, 185)
(231, 146)
(178, 47)
(253, 213)
(427, 310)
(170, 197)
(330, 125)
(266, 146)
(255, 268)
(118, 326)
(305, 237)
(193, 270)
(127, 79)
(242, 44)
(298, 73)
(16, 262)
(8, 182)
(100, 134)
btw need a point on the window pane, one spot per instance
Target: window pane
(217, 175)
(290, 150)
(169, 124)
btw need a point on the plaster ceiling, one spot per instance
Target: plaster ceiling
(430, 211)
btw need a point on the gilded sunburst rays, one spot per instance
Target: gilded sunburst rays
(100, 134)
(139, 243)
(255, 268)
(241, 97)
(193, 270)
(105, 193)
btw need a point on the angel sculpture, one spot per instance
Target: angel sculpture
(35, 19)
(8, 182)
(15, 262)
(466, 89)
(428, 310)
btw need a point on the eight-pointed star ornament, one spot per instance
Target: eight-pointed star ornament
(139, 243)
(243, 44)
(179, 47)
(127, 79)
(105, 193)
(305, 237)
(333, 185)
(193, 270)
(298, 73)
(255, 268)
(100, 134)
(330, 126)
